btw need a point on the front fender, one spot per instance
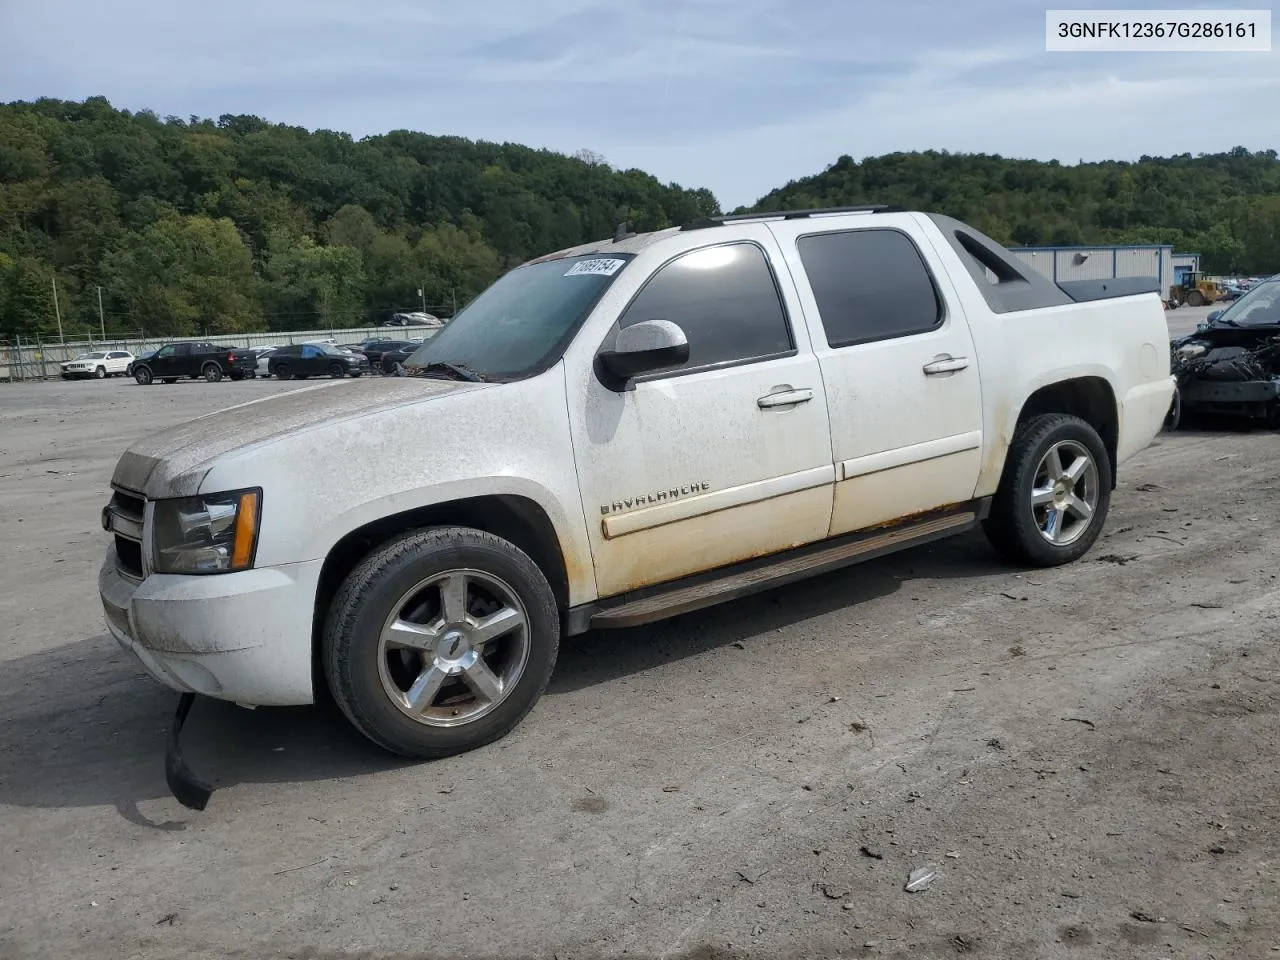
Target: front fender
(571, 540)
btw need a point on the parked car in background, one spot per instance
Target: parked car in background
(393, 358)
(99, 364)
(198, 359)
(263, 354)
(302, 360)
(376, 351)
(414, 319)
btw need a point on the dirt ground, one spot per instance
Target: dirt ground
(1087, 755)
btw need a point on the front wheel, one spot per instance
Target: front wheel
(441, 641)
(337, 370)
(283, 372)
(100, 373)
(142, 375)
(211, 372)
(1054, 495)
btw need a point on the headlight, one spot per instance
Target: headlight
(1189, 351)
(217, 533)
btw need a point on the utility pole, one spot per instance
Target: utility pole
(102, 317)
(423, 295)
(56, 311)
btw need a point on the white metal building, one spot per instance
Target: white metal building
(1184, 263)
(1103, 263)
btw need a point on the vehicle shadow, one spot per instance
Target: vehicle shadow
(83, 726)
(602, 656)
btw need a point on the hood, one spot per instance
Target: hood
(173, 463)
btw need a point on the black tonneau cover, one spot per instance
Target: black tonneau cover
(1083, 290)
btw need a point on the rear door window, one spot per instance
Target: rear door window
(869, 285)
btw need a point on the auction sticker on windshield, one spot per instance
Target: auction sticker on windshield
(605, 267)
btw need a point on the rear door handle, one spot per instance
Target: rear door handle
(945, 365)
(785, 397)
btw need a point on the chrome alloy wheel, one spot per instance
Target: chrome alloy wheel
(453, 647)
(1064, 493)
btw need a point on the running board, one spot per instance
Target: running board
(739, 580)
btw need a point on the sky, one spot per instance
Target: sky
(739, 96)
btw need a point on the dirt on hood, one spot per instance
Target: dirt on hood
(173, 462)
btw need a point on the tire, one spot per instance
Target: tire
(371, 683)
(337, 371)
(143, 376)
(236, 375)
(211, 372)
(1017, 527)
(1196, 299)
(282, 372)
(100, 373)
(1173, 419)
(357, 373)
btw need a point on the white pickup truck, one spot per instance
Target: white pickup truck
(617, 433)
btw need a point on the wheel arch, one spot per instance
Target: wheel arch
(513, 517)
(1089, 397)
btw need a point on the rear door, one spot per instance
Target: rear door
(187, 357)
(899, 367)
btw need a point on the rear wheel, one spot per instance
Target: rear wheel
(143, 375)
(337, 370)
(1196, 299)
(1054, 494)
(211, 372)
(441, 641)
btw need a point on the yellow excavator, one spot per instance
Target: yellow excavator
(1195, 291)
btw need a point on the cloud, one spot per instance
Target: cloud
(736, 95)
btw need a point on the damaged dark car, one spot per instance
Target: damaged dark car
(1230, 365)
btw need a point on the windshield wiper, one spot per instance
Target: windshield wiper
(459, 370)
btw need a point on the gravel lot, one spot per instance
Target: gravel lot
(1087, 755)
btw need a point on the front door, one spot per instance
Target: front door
(902, 378)
(165, 362)
(724, 458)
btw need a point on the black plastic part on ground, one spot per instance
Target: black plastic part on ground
(183, 784)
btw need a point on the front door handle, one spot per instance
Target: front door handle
(785, 396)
(945, 365)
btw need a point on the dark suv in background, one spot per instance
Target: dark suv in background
(302, 360)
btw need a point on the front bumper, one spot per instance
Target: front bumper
(244, 637)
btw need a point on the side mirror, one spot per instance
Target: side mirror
(645, 346)
(1213, 316)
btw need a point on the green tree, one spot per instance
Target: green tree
(186, 275)
(322, 282)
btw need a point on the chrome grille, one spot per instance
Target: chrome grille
(125, 515)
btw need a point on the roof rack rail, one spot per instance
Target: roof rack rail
(703, 223)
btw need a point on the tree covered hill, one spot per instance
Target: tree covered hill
(204, 226)
(1225, 206)
(219, 226)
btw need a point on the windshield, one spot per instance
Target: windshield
(92, 356)
(520, 325)
(1260, 307)
(334, 351)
